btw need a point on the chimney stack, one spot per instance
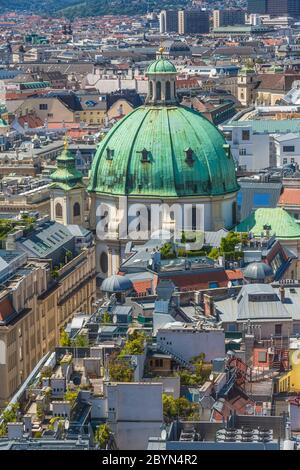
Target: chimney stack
(282, 294)
(209, 306)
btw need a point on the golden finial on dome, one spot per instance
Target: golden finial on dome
(66, 143)
(161, 50)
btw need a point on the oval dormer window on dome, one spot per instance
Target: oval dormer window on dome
(145, 156)
(189, 156)
(109, 153)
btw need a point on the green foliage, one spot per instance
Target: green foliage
(9, 416)
(119, 369)
(167, 251)
(55, 273)
(177, 407)
(102, 435)
(200, 374)
(106, 318)
(229, 242)
(71, 396)
(46, 372)
(64, 339)
(81, 341)
(69, 255)
(214, 253)
(53, 421)
(134, 344)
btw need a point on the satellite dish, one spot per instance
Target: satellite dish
(211, 377)
(55, 426)
(163, 435)
(67, 424)
(229, 284)
(115, 319)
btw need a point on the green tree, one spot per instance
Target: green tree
(119, 370)
(64, 339)
(134, 345)
(9, 415)
(179, 407)
(71, 396)
(214, 253)
(81, 341)
(106, 318)
(102, 435)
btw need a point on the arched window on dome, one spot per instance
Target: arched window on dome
(58, 210)
(168, 91)
(151, 89)
(158, 91)
(76, 209)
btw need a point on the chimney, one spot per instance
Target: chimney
(209, 306)
(282, 294)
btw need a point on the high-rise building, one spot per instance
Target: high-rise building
(168, 21)
(228, 17)
(283, 7)
(258, 6)
(193, 21)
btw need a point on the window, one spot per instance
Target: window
(104, 262)
(278, 330)
(58, 210)
(292, 160)
(158, 91)
(50, 115)
(151, 90)
(289, 148)
(284, 161)
(242, 151)
(43, 106)
(228, 135)
(262, 356)
(168, 91)
(76, 209)
(246, 135)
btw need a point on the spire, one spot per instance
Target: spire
(66, 175)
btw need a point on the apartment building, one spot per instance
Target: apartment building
(38, 297)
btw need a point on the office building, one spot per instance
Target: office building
(228, 17)
(168, 21)
(194, 21)
(258, 6)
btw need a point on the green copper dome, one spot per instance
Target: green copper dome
(66, 176)
(161, 66)
(164, 151)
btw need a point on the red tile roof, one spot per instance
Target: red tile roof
(290, 196)
(201, 280)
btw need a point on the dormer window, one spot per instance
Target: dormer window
(189, 156)
(145, 156)
(109, 153)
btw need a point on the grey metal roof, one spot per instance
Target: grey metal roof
(116, 284)
(258, 271)
(46, 239)
(260, 301)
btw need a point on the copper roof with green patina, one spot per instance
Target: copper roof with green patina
(66, 176)
(164, 151)
(282, 224)
(161, 66)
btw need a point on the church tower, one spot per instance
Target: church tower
(246, 85)
(67, 191)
